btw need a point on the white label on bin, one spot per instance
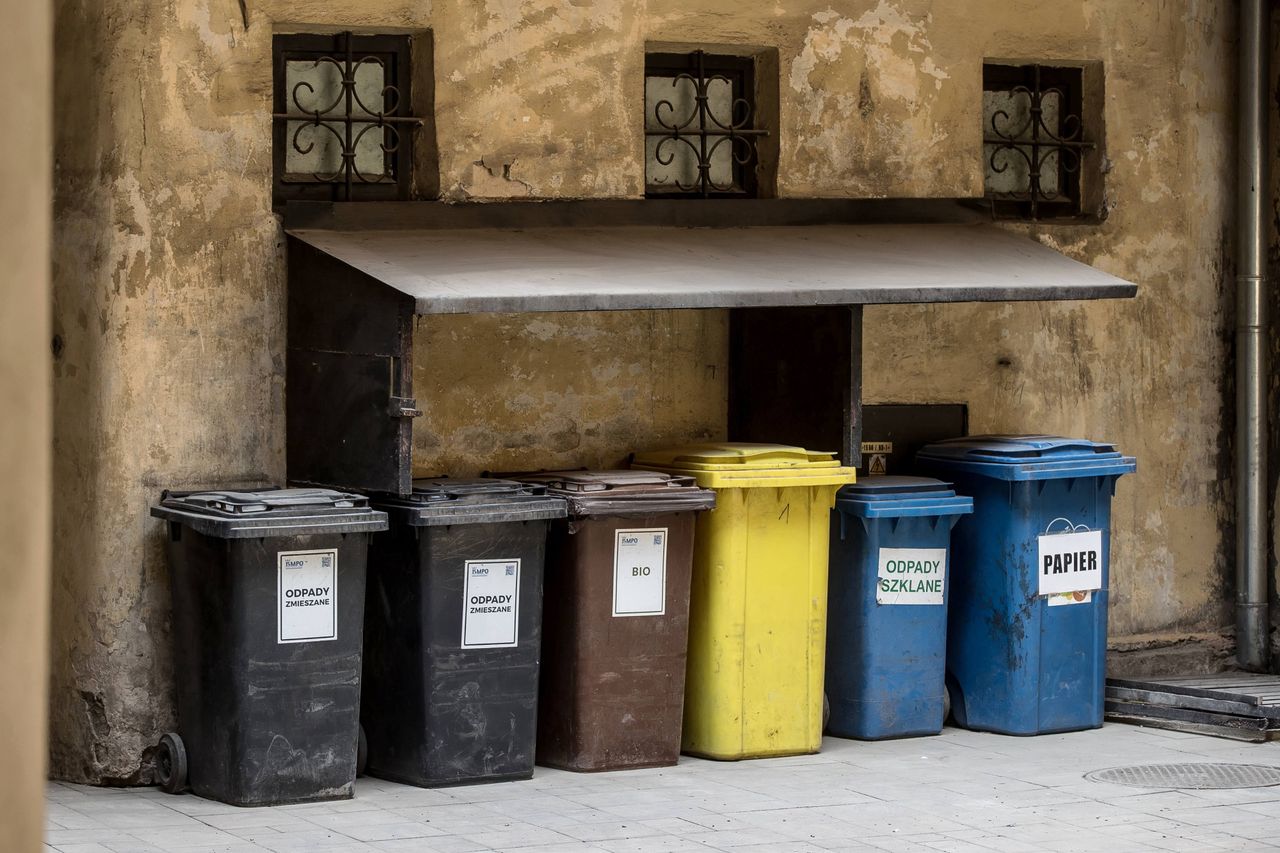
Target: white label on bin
(1069, 562)
(308, 596)
(911, 575)
(1077, 597)
(640, 572)
(491, 604)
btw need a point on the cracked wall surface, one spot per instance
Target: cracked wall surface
(169, 273)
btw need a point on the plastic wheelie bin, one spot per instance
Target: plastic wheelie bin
(758, 604)
(887, 606)
(1027, 630)
(617, 619)
(453, 632)
(268, 601)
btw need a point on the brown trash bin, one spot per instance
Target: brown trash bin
(616, 618)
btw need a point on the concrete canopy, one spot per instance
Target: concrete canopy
(476, 271)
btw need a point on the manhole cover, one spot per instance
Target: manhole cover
(1195, 776)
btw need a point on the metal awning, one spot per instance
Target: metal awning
(481, 270)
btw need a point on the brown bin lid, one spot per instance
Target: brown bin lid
(623, 492)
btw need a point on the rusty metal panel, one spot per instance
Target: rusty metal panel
(892, 433)
(349, 398)
(795, 377)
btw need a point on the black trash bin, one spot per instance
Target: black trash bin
(453, 632)
(268, 601)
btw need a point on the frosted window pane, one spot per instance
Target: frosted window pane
(1016, 177)
(325, 157)
(683, 113)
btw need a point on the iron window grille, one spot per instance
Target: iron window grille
(701, 136)
(341, 124)
(1035, 139)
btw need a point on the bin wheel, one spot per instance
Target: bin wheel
(946, 705)
(362, 752)
(171, 764)
(826, 711)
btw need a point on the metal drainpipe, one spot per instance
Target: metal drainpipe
(1252, 618)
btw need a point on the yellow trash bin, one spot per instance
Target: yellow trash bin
(758, 605)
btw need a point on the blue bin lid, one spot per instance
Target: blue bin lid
(1028, 457)
(893, 488)
(897, 496)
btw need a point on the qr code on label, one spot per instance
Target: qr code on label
(657, 539)
(511, 570)
(326, 562)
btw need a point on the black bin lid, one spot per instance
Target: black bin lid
(256, 513)
(438, 501)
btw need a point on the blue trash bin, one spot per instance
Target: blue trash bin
(1027, 629)
(887, 606)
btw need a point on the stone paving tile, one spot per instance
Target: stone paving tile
(513, 835)
(733, 839)
(654, 844)
(966, 792)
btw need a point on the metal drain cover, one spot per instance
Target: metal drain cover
(1190, 776)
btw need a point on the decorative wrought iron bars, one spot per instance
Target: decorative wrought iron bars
(1034, 141)
(341, 128)
(700, 132)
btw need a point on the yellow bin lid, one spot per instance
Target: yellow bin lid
(739, 464)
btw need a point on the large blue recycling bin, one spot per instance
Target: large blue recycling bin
(887, 606)
(1027, 628)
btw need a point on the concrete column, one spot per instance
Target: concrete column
(25, 422)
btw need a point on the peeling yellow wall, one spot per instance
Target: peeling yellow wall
(564, 390)
(169, 276)
(1148, 374)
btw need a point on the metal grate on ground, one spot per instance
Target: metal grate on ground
(1195, 777)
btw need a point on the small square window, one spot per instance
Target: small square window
(1038, 140)
(701, 130)
(343, 128)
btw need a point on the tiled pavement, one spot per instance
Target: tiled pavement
(962, 791)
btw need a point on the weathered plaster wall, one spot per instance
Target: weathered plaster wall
(169, 279)
(565, 390)
(26, 409)
(1148, 374)
(168, 284)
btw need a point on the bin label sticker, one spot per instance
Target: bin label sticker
(877, 447)
(1080, 596)
(491, 604)
(911, 575)
(640, 572)
(1070, 561)
(307, 584)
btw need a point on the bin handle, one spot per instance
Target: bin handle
(1071, 528)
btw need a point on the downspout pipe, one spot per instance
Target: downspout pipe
(1253, 640)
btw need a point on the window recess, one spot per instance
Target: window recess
(1042, 140)
(703, 133)
(343, 128)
